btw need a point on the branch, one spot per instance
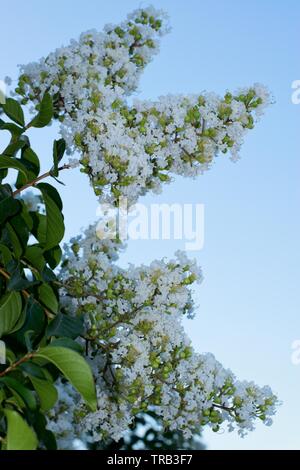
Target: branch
(225, 408)
(39, 178)
(16, 364)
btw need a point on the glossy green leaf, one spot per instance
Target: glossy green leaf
(35, 321)
(59, 147)
(74, 368)
(48, 297)
(10, 162)
(10, 311)
(66, 326)
(45, 113)
(46, 391)
(55, 228)
(14, 111)
(8, 205)
(31, 161)
(20, 436)
(23, 392)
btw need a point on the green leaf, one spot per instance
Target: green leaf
(48, 297)
(13, 147)
(14, 111)
(10, 162)
(6, 254)
(74, 368)
(20, 227)
(53, 256)
(66, 326)
(46, 391)
(8, 205)
(15, 130)
(35, 322)
(18, 281)
(33, 369)
(10, 311)
(31, 161)
(34, 255)
(55, 228)
(59, 147)
(45, 113)
(20, 436)
(14, 240)
(39, 227)
(23, 392)
(67, 343)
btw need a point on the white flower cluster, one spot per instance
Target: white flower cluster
(140, 356)
(128, 150)
(134, 339)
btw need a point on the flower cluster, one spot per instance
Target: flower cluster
(141, 358)
(128, 150)
(134, 340)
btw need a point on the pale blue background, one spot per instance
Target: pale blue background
(248, 312)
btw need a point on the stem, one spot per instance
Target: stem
(16, 364)
(39, 178)
(222, 407)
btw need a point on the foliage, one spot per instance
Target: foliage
(38, 348)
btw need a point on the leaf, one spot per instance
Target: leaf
(67, 343)
(33, 369)
(18, 282)
(74, 368)
(53, 256)
(14, 240)
(10, 311)
(45, 113)
(13, 147)
(19, 225)
(6, 255)
(45, 436)
(59, 147)
(19, 323)
(15, 130)
(16, 164)
(31, 161)
(66, 326)
(20, 436)
(55, 228)
(23, 392)
(35, 322)
(34, 255)
(46, 391)
(14, 111)
(48, 275)
(48, 297)
(8, 205)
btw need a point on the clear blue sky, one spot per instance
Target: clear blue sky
(249, 303)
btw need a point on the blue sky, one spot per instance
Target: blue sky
(248, 313)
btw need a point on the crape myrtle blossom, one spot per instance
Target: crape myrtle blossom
(129, 150)
(139, 353)
(134, 339)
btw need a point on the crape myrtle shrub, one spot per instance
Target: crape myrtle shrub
(89, 345)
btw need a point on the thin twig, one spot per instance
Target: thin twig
(39, 178)
(16, 364)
